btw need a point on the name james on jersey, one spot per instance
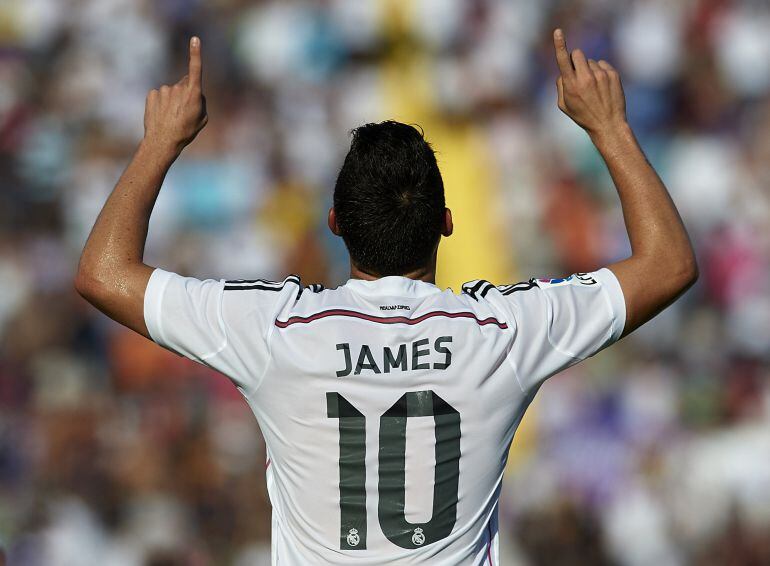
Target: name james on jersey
(407, 356)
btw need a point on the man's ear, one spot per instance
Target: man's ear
(448, 227)
(333, 222)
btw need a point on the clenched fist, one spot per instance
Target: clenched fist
(589, 92)
(173, 115)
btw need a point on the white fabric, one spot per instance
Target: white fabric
(284, 350)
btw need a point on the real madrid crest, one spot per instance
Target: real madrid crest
(418, 537)
(354, 538)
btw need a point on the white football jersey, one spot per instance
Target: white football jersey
(387, 406)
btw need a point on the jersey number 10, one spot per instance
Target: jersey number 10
(391, 483)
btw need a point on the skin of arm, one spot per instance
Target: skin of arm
(111, 274)
(113, 277)
(662, 265)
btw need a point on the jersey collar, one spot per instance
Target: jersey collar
(392, 286)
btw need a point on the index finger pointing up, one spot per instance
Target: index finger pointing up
(562, 55)
(194, 73)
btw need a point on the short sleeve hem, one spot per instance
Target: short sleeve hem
(153, 302)
(614, 294)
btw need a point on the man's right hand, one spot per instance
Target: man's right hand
(662, 263)
(174, 115)
(589, 92)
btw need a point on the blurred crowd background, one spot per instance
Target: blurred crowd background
(114, 452)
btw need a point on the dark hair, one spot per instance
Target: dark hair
(389, 199)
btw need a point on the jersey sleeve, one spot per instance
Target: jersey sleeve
(559, 322)
(225, 325)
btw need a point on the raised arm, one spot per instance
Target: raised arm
(662, 264)
(112, 275)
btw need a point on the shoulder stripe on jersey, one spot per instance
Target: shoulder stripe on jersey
(480, 288)
(472, 290)
(244, 281)
(486, 290)
(389, 319)
(253, 287)
(523, 286)
(476, 287)
(260, 281)
(262, 285)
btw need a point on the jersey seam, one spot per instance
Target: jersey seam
(549, 315)
(269, 344)
(512, 320)
(515, 369)
(509, 355)
(613, 314)
(550, 318)
(221, 320)
(157, 308)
